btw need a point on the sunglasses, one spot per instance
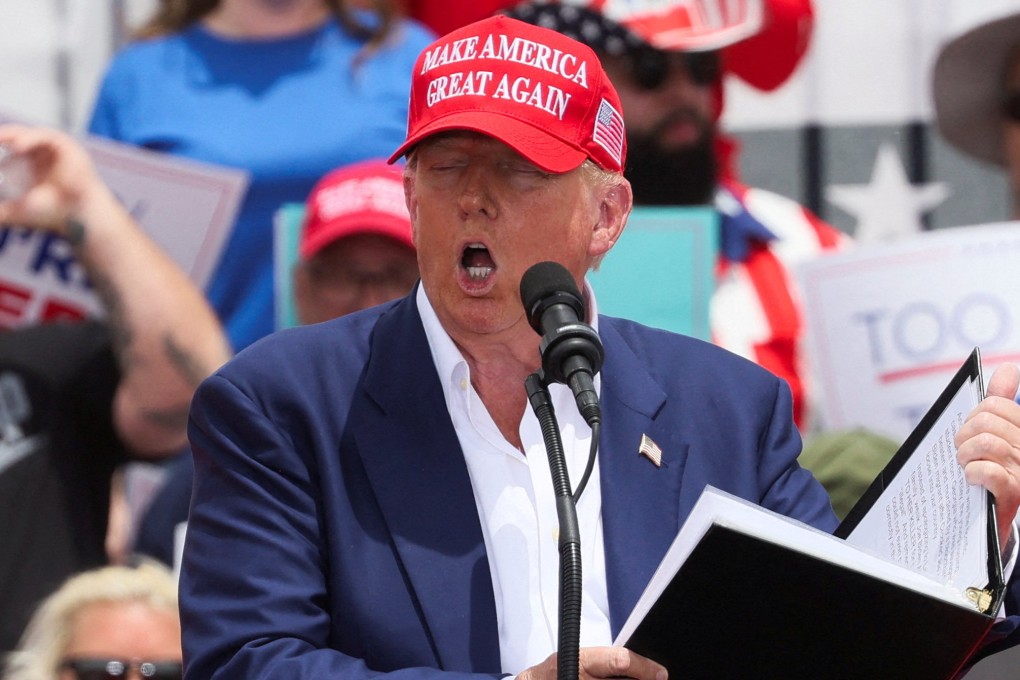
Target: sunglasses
(111, 669)
(651, 66)
(1010, 106)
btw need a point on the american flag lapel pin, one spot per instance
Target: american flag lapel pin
(650, 450)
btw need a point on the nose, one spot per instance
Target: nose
(476, 193)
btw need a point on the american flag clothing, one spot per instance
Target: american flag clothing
(755, 310)
(608, 132)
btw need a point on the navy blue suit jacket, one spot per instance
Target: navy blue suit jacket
(333, 529)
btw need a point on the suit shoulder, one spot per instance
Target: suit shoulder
(308, 350)
(661, 348)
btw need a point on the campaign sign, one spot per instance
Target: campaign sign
(188, 209)
(662, 270)
(888, 325)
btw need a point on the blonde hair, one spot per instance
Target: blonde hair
(48, 633)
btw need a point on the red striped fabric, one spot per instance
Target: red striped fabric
(756, 309)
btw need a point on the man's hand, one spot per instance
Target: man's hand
(63, 178)
(988, 446)
(601, 662)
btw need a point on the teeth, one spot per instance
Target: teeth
(478, 273)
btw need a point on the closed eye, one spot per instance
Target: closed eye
(447, 164)
(523, 168)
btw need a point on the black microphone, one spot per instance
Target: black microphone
(571, 350)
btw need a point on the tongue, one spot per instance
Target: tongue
(477, 257)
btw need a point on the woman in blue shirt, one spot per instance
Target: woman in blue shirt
(284, 89)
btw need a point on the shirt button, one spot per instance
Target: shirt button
(463, 384)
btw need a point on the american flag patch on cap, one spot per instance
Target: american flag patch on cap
(608, 132)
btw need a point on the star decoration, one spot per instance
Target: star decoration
(889, 207)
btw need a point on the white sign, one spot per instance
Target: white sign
(188, 208)
(888, 325)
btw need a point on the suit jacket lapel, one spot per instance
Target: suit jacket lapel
(417, 470)
(640, 502)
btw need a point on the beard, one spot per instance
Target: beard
(671, 177)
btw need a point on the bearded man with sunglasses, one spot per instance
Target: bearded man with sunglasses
(669, 77)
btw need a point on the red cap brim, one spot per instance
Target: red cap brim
(356, 224)
(539, 147)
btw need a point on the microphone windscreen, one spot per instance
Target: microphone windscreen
(547, 280)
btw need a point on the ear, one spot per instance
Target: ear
(615, 203)
(411, 200)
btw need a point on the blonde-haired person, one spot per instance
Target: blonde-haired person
(286, 90)
(111, 622)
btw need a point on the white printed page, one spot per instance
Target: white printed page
(929, 519)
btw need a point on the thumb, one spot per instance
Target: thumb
(1004, 381)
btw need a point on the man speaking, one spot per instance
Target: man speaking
(373, 494)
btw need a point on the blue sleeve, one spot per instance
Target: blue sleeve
(788, 488)
(254, 590)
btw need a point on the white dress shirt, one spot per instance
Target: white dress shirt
(517, 509)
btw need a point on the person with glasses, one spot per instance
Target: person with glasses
(110, 623)
(669, 76)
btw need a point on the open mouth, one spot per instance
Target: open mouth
(477, 262)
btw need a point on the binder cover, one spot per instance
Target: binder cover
(748, 593)
(742, 607)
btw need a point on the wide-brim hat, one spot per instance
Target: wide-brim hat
(968, 84)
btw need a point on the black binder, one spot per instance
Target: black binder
(763, 596)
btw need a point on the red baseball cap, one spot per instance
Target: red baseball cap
(362, 198)
(537, 91)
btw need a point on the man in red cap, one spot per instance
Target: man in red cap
(356, 248)
(372, 494)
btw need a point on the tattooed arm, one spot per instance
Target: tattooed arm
(166, 337)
